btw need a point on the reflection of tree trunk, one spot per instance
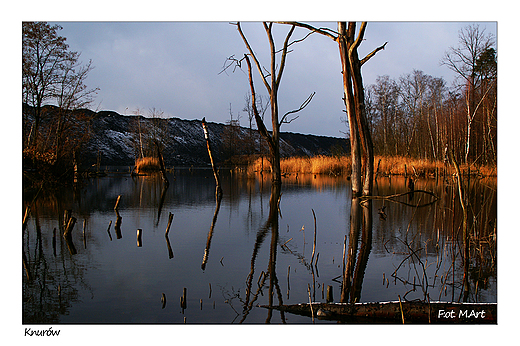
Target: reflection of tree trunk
(210, 234)
(364, 252)
(170, 251)
(355, 270)
(465, 233)
(273, 217)
(161, 202)
(355, 225)
(161, 164)
(271, 223)
(117, 225)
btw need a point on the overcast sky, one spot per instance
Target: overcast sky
(175, 67)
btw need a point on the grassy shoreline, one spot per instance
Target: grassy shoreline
(383, 166)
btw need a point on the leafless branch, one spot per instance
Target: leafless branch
(259, 122)
(302, 106)
(257, 63)
(323, 31)
(371, 54)
(284, 54)
(231, 62)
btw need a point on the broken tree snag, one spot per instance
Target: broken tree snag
(70, 226)
(117, 202)
(215, 172)
(66, 217)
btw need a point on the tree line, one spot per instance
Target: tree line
(418, 115)
(54, 100)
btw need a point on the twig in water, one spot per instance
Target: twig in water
(401, 308)
(314, 242)
(288, 271)
(287, 242)
(310, 302)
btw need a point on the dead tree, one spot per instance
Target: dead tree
(271, 78)
(218, 192)
(354, 98)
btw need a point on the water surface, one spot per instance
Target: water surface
(243, 252)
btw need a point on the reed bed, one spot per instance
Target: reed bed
(387, 165)
(313, 165)
(147, 164)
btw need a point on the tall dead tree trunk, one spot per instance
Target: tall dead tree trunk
(218, 191)
(350, 104)
(354, 96)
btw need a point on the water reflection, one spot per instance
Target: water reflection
(266, 237)
(272, 225)
(211, 229)
(360, 223)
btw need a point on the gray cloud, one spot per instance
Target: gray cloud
(174, 66)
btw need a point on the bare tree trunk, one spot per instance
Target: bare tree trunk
(356, 109)
(218, 191)
(355, 146)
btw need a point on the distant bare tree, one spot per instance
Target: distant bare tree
(51, 73)
(464, 60)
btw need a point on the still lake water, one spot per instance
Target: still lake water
(230, 257)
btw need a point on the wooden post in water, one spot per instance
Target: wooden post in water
(163, 301)
(215, 172)
(25, 218)
(54, 241)
(170, 219)
(139, 237)
(117, 225)
(66, 217)
(68, 235)
(70, 226)
(183, 299)
(330, 298)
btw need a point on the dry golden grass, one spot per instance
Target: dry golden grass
(147, 164)
(391, 165)
(313, 165)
